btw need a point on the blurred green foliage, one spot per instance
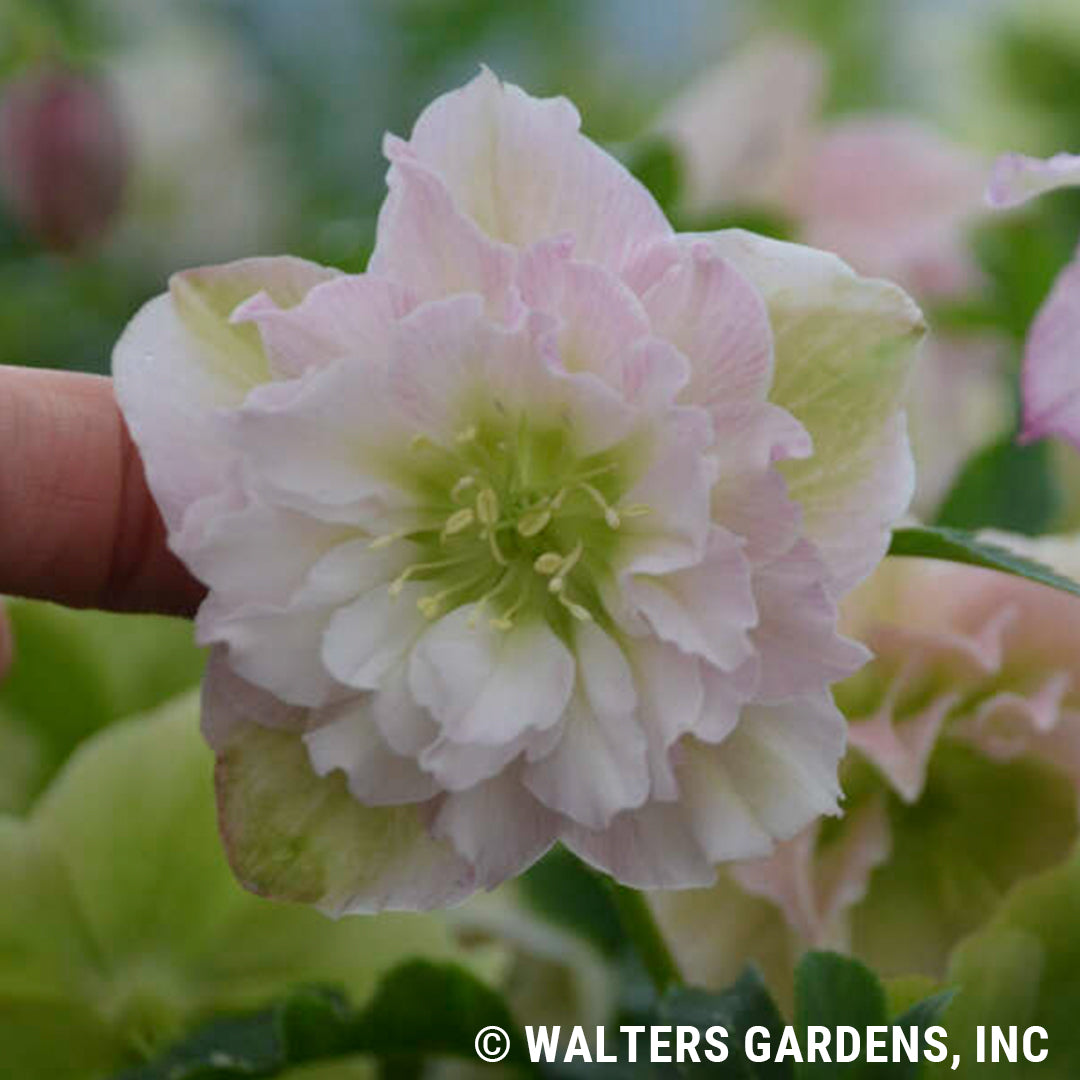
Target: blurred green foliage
(74, 673)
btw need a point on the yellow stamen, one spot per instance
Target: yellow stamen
(457, 522)
(388, 538)
(580, 613)
(463, 485)
(467, 435)
(611, 516)
(534, 521)
(558, 582)
(487, 507)
(548, 563)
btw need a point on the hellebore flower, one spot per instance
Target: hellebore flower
(533, 532)
(885, 192)
(63, 156)
(1050, 379)
(962, 778)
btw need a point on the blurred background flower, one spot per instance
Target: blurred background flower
(962, 778)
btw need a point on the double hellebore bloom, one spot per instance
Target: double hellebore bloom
(532, 532)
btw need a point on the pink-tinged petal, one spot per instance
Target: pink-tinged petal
(706, 609)
(520, 168)
(745, 126)
(229, 702)
(291, 835)
(346, 738)
(406, 725)
(650, 848)
(497, 826)
(796, 638)
(327, 447)
(675, 487)
(671, 697)
(846, 864)
(486, 685)
(844, 347)
(901, 751)
(600, 764)
(725, 695)
(1050, 379)
(448, 356)
(598, 317)
(716, 318)
(425, 243)
(755, 505)
(461, 766)
(891, 197)
(1040, 724)
(785, 878)
(348, 316)
(1016, 178)
(814, 883)
(180, 361)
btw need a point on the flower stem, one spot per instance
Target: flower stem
(641, 928)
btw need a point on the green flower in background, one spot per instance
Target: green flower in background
(121, 925)
(1023, 970)
(112, 666)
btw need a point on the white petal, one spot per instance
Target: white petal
(498, 826)
(276, 647)
(600, 764)
(844, 348)
(348, 316)
(489, 686)
(366, 640)
(427, 244)
(346, 738)
(716, 318)
(798, 647)
(705, 609)
(650, 848)
(519, 167)
(179, 361)
(781, 762)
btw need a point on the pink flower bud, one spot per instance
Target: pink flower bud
(63, 156)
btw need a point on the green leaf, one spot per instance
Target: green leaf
(833, 990)
(1020, 969)
(563, 890)
(421, 1009)
(1005, 486)
(433, 1009)
(955, 545)
(745, 1005)
(656, 163)
(922, 1015)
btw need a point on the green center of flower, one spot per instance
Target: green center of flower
(521, 524)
